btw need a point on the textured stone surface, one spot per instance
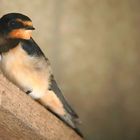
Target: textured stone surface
(21, 118)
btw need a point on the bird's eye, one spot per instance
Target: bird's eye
(13, 23)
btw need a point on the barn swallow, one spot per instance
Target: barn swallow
(24, 64)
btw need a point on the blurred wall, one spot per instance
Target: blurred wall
(94, 50)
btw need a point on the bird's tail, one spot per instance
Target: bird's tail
(70, 121)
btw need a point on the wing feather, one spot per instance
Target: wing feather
(58, 92)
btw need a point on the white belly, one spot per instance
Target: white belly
(27, 72)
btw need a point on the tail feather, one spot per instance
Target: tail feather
(69, 121)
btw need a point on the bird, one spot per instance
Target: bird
(24, 64)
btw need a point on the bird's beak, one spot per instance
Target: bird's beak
(29, 28)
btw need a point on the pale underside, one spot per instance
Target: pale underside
(31, 73)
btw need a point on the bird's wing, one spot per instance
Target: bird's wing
(58, 92)
(70, 118)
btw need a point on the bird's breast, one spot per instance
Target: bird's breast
(28, 72)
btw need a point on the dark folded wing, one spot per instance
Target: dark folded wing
(58, 92)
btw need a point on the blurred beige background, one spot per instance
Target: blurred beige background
(94, 49)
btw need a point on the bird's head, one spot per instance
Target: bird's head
(15, 26)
